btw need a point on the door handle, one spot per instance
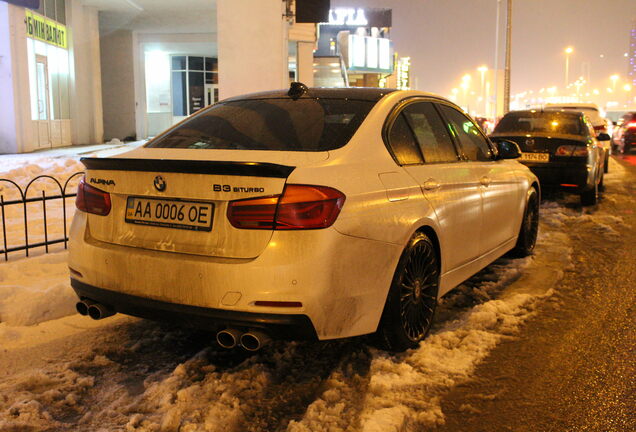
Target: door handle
(485, 180)
(431, 184)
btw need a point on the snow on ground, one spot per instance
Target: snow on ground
(135, 375)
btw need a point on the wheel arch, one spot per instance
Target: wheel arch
(431, 234)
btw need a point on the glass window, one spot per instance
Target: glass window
(554, 122)
(195, 83)
(195, 63)
(403, 144)
(60, 11)
(178, 62)
(431, 134)
(179, 94)
(270, 124)
(211, 64)
(49, 9)
(472, 142)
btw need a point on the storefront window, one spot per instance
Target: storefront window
(194, 86)
(53, 9)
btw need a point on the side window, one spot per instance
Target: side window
(472, 142)
(403, 144)
(431, 134)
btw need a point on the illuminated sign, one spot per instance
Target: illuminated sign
(369, 54)
(404, 73)
(360, 17)
(45, 30)
(347, 17)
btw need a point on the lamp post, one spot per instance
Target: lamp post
(482, 71)
(568, 51)
(465, 85)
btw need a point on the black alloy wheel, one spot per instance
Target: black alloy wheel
(529, 226)
(410, 306)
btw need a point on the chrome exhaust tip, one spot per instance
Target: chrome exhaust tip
(228, 338)
(99, 311)
(82, 306)
(254, 340)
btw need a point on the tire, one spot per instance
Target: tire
(606, 165)
(412, 299)
(529, 227)
(590, 197)
(601, 184)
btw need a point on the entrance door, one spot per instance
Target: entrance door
(43, 101)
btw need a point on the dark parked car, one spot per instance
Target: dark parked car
(560, 147)
(624, 138)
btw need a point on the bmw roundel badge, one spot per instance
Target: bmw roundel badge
(160, 184)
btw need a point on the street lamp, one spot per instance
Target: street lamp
(614, 78)
(568, 51)
(482, 70)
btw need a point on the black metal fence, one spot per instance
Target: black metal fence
(23, 200)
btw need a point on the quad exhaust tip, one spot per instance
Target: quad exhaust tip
(252, 340)
(228, 338)
(94, 310)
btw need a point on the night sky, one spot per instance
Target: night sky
(448, 38)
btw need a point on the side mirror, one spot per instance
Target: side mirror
(603, 137)
(507, 149)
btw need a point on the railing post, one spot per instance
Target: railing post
(46, 233)
(4, 230)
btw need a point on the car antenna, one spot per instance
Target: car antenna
(296, 90)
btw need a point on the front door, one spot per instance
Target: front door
(43, 102)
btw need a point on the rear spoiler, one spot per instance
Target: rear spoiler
(252, 169)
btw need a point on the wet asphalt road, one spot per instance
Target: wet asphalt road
(573, 366)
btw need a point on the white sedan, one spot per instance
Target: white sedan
(302, 214)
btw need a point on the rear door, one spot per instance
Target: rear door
(421, 144)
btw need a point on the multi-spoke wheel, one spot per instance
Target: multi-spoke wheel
(410, 306)
(529, 226)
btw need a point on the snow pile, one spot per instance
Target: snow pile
(34, 290)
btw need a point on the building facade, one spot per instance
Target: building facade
(76, 72)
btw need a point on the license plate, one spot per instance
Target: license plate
(174, 213)
(535, 157)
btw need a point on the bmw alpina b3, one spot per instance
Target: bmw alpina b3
(303, 214)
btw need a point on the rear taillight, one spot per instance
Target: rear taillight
(631, 125)
(92, 200)
(601, 128)
(299, 207)
(570, 150)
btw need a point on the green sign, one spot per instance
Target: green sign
(46, 30)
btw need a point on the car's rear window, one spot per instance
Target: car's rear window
(542, 122)
(270, 124)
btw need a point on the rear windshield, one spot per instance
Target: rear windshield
(270, 124)
(543, 122)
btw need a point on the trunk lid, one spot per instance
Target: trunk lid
(176, 200)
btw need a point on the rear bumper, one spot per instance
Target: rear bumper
(341, 282)
(577, 177)
(297, 327)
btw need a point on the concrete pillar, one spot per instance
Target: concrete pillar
(86, 89)
(305, 62)
(118, 84)
(8, 132)
(252, 44)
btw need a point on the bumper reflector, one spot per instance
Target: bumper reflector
(569, 185)
(278, 303)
